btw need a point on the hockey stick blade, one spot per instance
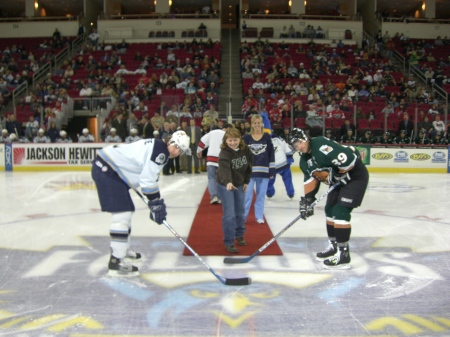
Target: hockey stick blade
(231, 260)
(245, 281)
(229, 282)
(234, 260)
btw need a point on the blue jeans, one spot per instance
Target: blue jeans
(212, 183)
(233, 213)
(261, 189)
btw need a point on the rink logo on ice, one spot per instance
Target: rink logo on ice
(420, 156)
(438, 157)
(382, 156)
(401, 157)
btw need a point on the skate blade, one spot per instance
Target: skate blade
(132, 260)
(338, 267)
(116, 273)
(321, 259)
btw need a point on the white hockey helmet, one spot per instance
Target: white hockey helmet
(41, 131)
(13, 136)
(133, 131)
(113, 130)
(62, 133)
(180, 139)
(4, 131)
(85, 131)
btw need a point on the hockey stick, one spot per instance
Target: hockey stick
(227, 281)
(268, 243)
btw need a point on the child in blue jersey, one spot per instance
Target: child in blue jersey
(283, 160)
(260, 144)
(115, 170)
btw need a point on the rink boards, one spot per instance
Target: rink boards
(79, 156)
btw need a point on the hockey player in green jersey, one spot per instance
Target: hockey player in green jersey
(385, 139)
(323, 160)
(367, 138)
(421, 138)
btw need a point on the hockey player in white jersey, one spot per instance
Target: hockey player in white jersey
(113, 137)
(283, 161)
(13, 139)
(4, 138)
(133, 137)
(115, 170)
(41, 137)
(86, 137)
(63, 138)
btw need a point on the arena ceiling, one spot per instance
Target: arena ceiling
(74, 7)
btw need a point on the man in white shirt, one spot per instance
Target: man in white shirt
(94, 37)
(438, 125)
(378, 76)
(86, 91)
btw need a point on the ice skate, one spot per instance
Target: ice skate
(328, 252)
(133, 256)
(118, 267)
(340, 260)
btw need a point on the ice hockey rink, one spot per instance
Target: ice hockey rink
(54, 244)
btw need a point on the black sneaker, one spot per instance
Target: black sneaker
(340, 260)
(330, 251)
(118, 267)
(240, 241)
(232, 249)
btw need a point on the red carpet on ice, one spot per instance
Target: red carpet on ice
(206, 236)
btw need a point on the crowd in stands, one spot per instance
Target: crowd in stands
(149, 82)
(20, 58)
(319, 86)
(431, 57)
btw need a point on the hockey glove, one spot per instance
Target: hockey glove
(305, 211)
(157, 210)
(342, 178)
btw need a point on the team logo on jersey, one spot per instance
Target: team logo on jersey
(258, 148)
(325, 149)
(160, 159)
